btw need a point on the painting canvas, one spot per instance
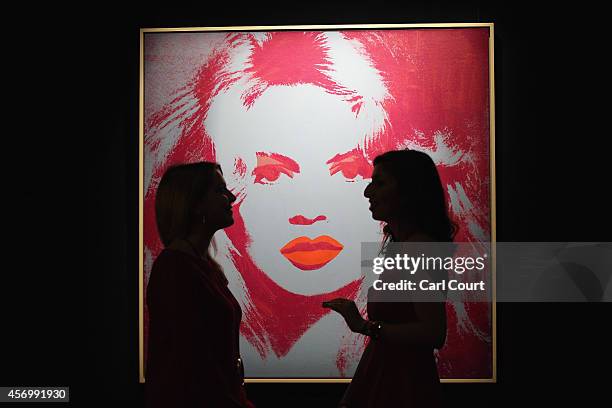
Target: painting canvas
(295, 118)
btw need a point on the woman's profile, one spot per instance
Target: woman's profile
(193, 357)
(398, 368)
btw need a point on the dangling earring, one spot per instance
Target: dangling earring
(203, 220)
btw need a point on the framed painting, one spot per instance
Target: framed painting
(295, 115)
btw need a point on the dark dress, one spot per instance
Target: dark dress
(194, 323)
(391, 374)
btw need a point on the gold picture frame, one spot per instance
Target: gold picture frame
(490, 26)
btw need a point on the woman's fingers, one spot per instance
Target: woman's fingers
(335, 306)
(334, 303)
(336, 300)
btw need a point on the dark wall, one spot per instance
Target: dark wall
(550, 169)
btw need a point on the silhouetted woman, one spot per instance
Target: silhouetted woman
(193, 358)
(398, 368)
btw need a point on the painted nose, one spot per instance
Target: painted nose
(301, 220)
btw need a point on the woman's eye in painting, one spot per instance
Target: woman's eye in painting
(350, 165)
(270, 166)
(269, 174)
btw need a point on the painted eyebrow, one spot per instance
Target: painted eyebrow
(343, 156)
(276, 159)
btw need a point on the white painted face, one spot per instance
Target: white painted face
(308, 126)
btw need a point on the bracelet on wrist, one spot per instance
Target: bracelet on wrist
(372, 329)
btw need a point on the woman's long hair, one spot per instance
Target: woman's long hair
(179, 190)
(421, 194)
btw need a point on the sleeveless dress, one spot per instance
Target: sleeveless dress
(194, 322)
(391, 374)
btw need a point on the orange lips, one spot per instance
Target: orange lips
(309, 254)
